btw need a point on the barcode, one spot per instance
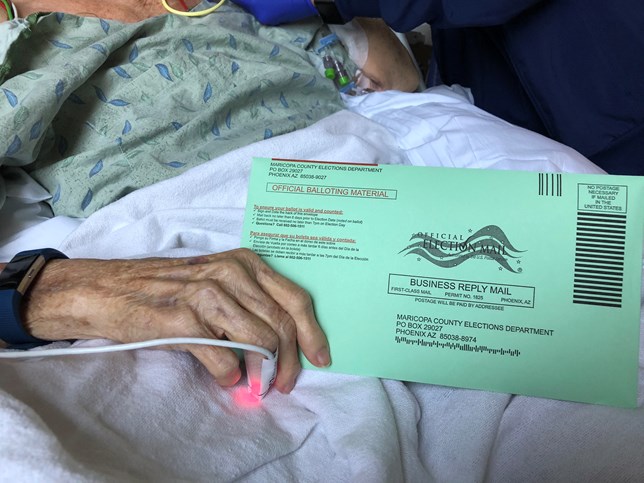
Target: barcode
(550, 184)
(599, 259)
(457, 346)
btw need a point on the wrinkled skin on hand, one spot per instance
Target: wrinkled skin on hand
(232, 295)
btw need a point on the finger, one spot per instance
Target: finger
(236, 273)
(202, 308)
(183, 319)
(297, 302)
(221, 362)
(288, 362)
(179, 318)
(220, 312)
(257, 304)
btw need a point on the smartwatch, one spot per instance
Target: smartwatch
(329, 12)
(15, 280)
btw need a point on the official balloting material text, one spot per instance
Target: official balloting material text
(519, 282)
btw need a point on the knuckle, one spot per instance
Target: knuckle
(200, 289)
(207, 305)
(261, 335)
(270, 342)
(246, 253)
(264, 337)
(264, 270)
(285, 326)
(302, 300)
(228, 268)
(183, 322)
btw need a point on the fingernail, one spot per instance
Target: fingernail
(324, 358)
(288, 387)
(230, 379)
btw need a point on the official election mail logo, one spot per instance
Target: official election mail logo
(449, 250)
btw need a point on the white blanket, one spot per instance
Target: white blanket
(157, 415)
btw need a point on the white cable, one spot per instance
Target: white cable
(259, 378)
(136, 345)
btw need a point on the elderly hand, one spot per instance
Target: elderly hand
(275, 12)
(232, 295)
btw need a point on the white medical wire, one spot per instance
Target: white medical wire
(136, 345)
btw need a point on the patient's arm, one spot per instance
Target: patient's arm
(231, 295)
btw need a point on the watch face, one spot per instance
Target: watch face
(19, 273)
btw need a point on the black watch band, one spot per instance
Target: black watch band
(15, 279)
(329, 12)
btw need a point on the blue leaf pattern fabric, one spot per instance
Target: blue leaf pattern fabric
(87, 199)
(188, 45)
(134, 53)
(14, 147)
(207, 93)
(164, 71)
(34, 132)
(59, 44)
(118, 102)
(56, 197)
(96, 169)
(121, 72)
(11, 97)
(100, 47)
(60, 89)
(144, 102)
(100, 94)
(228, 120)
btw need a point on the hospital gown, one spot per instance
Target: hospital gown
(98, 109)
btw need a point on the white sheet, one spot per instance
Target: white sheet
(157, 415)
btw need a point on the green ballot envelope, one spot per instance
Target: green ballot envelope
(517, 282)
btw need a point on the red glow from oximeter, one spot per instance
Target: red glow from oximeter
(246, 397)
